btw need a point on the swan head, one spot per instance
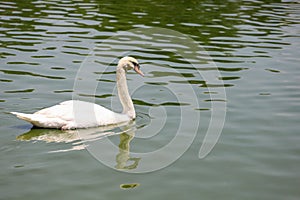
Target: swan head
(128, 63)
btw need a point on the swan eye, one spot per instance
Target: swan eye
(135, 64)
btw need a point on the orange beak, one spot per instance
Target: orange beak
(137, 70)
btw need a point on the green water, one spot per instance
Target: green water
(255, 49)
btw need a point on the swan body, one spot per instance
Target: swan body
(74, 114)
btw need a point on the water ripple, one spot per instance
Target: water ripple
(19, 91)
(24, 73)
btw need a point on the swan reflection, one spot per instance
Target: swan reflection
(124, 161)
(81, 138)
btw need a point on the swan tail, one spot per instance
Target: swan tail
(31, 118)
(42, 121)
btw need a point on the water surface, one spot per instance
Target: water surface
(255, 46)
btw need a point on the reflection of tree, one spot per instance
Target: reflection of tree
(123, 157)
(204, 20)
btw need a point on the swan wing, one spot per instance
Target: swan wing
(63, 110)
(73, 114)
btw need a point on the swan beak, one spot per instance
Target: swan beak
(137, 70)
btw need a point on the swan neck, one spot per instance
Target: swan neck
(123, 93)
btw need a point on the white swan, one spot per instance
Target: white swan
(79, 114)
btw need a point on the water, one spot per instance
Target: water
(255, 46)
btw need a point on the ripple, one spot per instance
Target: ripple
(264, 94)
(224, 78)
(22, 63)
(156, 83)
(205, 85)
(191, 24)
(215, 100)
(189, 82)
(6, 80)
(164, 74)
(43, 56)
(273, 70)
(21, 48)
(142, 120)
(63, 91)
(127, 186)
(174, 104)
(75, 53)
(79, 32)
(144, 103)
(224, 69)
(202, 109)
(76, 47)
(24, 73)
(19, 91)
(6, 54)
(50, 48)
(58, 68)
(105, 80)
(103, 96)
